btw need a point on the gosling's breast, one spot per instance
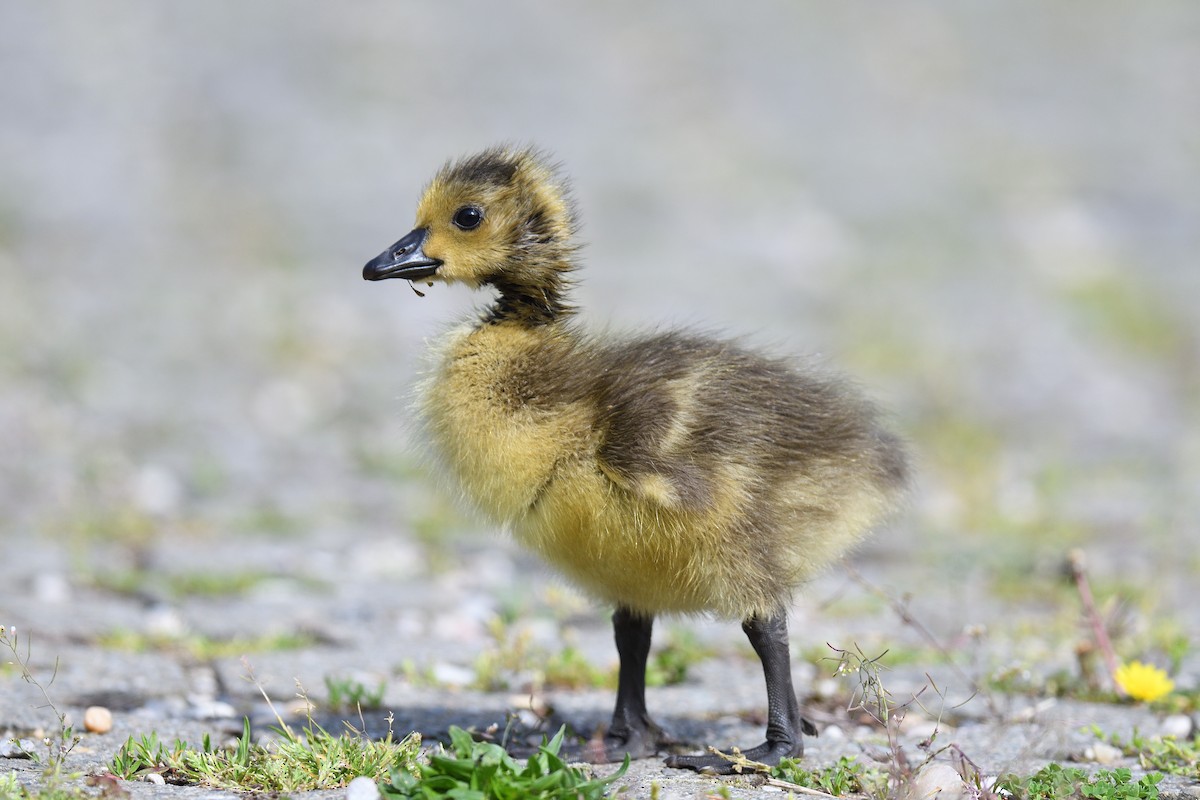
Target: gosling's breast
(502, 449)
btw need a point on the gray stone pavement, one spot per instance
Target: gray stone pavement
(375, 628)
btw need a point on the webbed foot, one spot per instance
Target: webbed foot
(768, 753)
(637, 742)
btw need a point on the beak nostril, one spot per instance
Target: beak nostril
(403, 259)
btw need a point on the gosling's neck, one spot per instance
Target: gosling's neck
(533, 294)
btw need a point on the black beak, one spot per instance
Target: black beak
(404, 259)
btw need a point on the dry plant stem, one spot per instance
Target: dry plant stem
(901, 610)
(250, 676)
(66, 739)
(744, 764)
(795, 787)
(971, 774)
(1079, 573)
(27, 674)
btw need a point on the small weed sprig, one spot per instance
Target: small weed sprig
(670, 664)
(509, 655)
(59, 745)
(1133, 680)
(899, 607)
(978, 787)
(570, 669)
(55, 783)
(1078, 566)
(347, 694)
(145, 754)
(1056, 782)
(471, 769)
(847, 776)
(10, 787)
(844, 777)
(873, 698)
(1162, 753)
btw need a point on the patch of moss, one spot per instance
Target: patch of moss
(201, 647)
(1127, 312)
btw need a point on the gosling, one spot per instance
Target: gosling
(671, 473)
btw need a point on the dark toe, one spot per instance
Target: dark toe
(768, 753)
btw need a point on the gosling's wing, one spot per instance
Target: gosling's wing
(684, 419)
(651, 419)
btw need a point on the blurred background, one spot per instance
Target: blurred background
(988, 213)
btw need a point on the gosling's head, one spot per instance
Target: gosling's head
(501, 217)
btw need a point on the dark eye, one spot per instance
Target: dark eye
(468, 217)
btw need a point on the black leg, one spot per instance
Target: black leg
(785, 725)
(631, 730)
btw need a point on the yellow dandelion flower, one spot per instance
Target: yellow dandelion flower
(1143, 681)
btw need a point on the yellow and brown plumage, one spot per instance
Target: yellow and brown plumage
(668, 473)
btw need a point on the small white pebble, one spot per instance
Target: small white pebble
(202, 708)
(834, 734)
(543, 631)
(284, 408)
(97, 719)
(452, 674)
(1102, 753)
(528, 718)
(1030, 713)
(939, 781)
(18, 748)
(804, 673)
(535, 703)
(1178, 725)
(921, 728)
(164, 621)
(51, 588)
(156, 490)
(362, 788)
(155, 778)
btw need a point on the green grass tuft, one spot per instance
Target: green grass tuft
(311, 760)
(669, 665)
(471, 770)
(201, 647)
(845, 776)
(347, 694)
(1056, 782)
(1161, 753)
